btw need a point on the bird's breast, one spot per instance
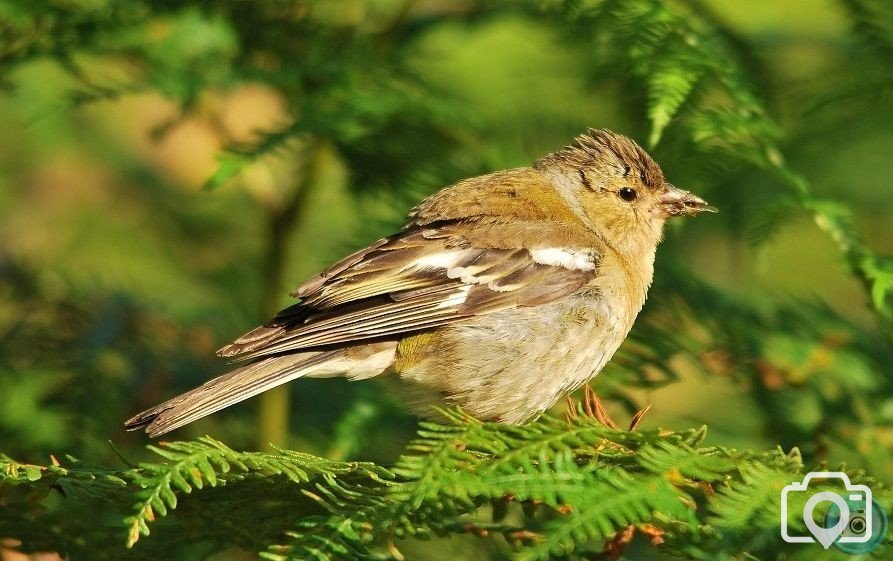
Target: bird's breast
(513, 364)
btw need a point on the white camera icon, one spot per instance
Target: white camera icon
(854, 505)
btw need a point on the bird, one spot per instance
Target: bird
(500, 294)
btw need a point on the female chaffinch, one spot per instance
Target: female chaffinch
(501, 293)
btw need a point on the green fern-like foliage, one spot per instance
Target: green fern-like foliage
(553, 488)
(194, 465)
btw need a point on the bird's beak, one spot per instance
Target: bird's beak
(676, 202)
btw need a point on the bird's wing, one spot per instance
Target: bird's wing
(419, 279)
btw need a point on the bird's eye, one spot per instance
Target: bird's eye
(628, 194)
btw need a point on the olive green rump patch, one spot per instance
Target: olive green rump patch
(412, 350)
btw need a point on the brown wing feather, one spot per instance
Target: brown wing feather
(416, 280)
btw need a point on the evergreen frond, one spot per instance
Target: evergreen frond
(580, 483)
(193, 465)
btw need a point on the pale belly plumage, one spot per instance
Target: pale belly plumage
(512, 365)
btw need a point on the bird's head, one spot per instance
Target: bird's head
(617, 190)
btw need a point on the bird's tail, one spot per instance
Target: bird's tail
(233, 387)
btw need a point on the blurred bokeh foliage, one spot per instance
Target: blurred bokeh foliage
(170, 169)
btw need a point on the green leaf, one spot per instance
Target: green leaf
(229, 166)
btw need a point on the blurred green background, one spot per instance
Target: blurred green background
(170, 170)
